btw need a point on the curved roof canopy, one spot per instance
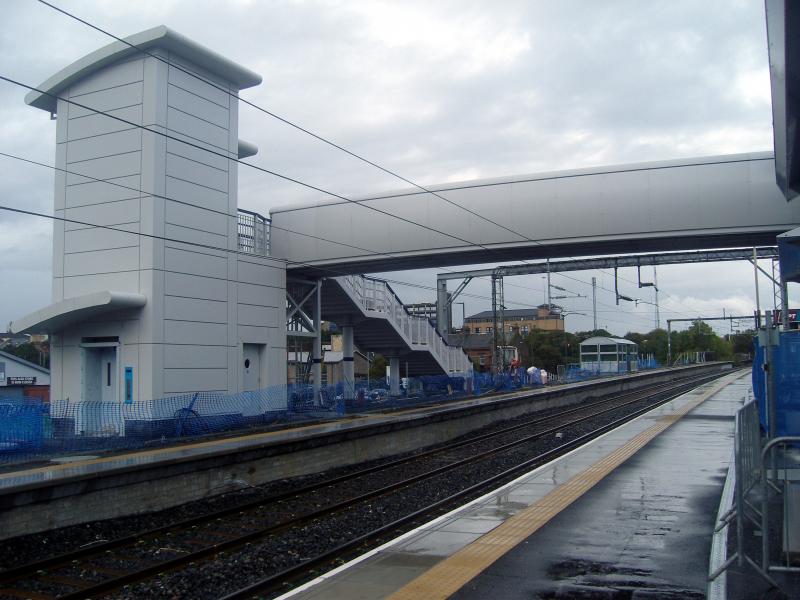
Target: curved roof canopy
(61, 314)
(158, 37)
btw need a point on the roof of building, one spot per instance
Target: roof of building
(14, 336)
(607, 340)
(486, 315)
(157, 37)
(471, 341)
(22, 361)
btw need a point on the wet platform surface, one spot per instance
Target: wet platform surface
(629, 515)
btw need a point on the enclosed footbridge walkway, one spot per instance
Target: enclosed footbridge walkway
(382, 324)
(688, 204)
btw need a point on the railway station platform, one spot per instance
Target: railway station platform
(629, 515)
(79, 489)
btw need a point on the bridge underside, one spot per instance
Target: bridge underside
(543, 250)
(692, 204)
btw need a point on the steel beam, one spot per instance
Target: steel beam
(638, 260)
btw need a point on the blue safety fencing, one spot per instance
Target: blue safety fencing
(786, 367)
(31, 429)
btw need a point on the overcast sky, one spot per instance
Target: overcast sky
(437, 91)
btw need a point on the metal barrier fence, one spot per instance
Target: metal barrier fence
(31, 429)
(776, 467)
(253, 230)
(781, 477)
(747, 474)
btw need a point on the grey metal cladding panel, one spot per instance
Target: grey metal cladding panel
(375, 229)
(195, 286)
(180, 148)
(194, 263)
(106, 167)
(725, 198)
(623, 201)
(195, 332)
(210, 241)
(184, 381)
(197, 218)
(111, 213)
(259, 335)
(87, 284)
(200, 252)
(197, 129)
(199, 357)
(466, 225)
(105, 100)
(92, 125)
(190, 170)
(673, 200)
(98, 192)
(115, 75)
(261, 295)
(260, 316)
(93, 238)
(540, 212)
(197, 106)
(199, 87)
(106, 145)
(262, 274)
(101, 261)
(333, 222)
(187, 191)
(195, 309)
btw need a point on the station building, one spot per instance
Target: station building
(20, 378)
(173, 291)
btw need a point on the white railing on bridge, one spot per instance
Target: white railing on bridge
(375, 296)
(253, 230)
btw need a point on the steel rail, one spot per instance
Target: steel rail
(60, 561)
(296, 572)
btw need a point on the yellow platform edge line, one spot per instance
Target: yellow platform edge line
(452, 573)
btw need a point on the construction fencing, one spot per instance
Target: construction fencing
(31, 429)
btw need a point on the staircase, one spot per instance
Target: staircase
(382, 324)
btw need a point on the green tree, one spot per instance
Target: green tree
(30, 353)
(377, 369)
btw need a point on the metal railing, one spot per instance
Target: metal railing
(375, 296)
(776, 467)
(782, 476)
(746, 474)
(253, 230)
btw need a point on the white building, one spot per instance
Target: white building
(163, 301)
(19, 377)
(609, 355)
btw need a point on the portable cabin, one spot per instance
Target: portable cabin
(609, 355)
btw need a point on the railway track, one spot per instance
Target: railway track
(354, 511)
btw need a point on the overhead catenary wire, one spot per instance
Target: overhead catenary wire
(209, 246)
(195, 206)
(270, 172)
(302, 129)
(223, 213)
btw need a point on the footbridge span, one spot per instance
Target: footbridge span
(688, 204)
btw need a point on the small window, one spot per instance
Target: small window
(108, 374)
(246, 363)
